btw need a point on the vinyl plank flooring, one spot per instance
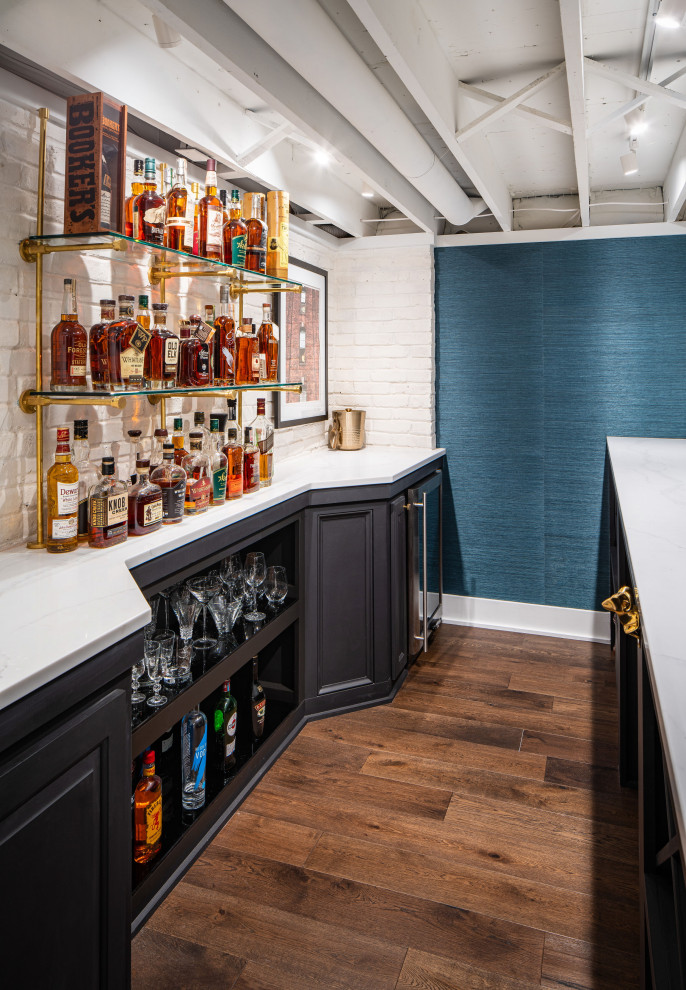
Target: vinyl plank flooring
(160, 961)
(571, 748)
(424, 971)
(288, 842)
(581, 966)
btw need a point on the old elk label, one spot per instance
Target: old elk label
(171, 354)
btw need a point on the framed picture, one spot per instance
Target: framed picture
(302, 321)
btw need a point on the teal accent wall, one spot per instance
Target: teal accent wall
(543, 350)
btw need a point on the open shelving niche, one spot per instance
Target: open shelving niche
(162, 265)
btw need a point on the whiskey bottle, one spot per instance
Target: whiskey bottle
(238, 232)
(63, 498)
(177, 439)
(226, 234)
(145, 503)
(218, 463)
(151, 208)
(211, 217)
(263, 432)
(251, 463)
(147, 813)
(256, 235)
(198, 477)
(199, 426)
(88, 475)
(126, 344)
(109, 509)
(225, 725)
(179, 205)
(97, 346)
(172, 480)
(247, 354)
(234, 456)
(268, 340)
(143, 314)
(224, 341)
(195, 368)
(193, 759)
(159, 438)
(258, 704)
(69, 346)
(195, 188)
(130, 224)
(160, 365)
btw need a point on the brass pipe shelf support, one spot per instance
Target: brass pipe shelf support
(32, 250)
(29, 403)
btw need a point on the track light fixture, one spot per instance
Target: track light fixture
(629, 161)
(671, 14)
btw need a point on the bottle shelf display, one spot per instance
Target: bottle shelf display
(163, 264)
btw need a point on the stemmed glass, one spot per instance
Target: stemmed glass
(152, 662)
(186, 608)
(148, 633)
(255, 572)
(167, 641)
(204, 589)
(231, 567)
(276, 586)
(137, 672)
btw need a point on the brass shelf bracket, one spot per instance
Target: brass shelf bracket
(31, 250)
(29, 402)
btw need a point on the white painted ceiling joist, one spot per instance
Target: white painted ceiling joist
(572, 39)
(638, 101)
(633, 82)
(484, 96)
(508, 104)
(269, 141)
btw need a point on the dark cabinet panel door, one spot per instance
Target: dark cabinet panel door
(398, 586)
(65, 853)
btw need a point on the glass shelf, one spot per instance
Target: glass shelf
(169, 392)
(163, 262)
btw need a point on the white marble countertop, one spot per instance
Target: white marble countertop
(57, 611)
(650, 476)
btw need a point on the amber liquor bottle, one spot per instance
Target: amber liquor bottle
(177, 439)
(109, 509)
(145, 502)
(211, 218)
(69, 346)
(268, 340)
(226, 233)
(234, 460)
(151, 208)
(198, 477)
(63, 498)
(263, 432)
(225, 341)
(247, 354)
(147, 812)
(256, 242)
(238, 232)
(136, 190)
(195, 367)
(179, 205)
(251, 463)
(97, 344)
(172, 480)
(143, 314)
(161, 360)
(126, 344)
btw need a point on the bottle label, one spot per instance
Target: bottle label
(266, 443)
(153, 821)
(77, 371)
(253, 471)
(215, 223)
(199, 763)
(238, 244)
(189, 221)
(131, 362)
(67, 498)
(153, 512)
(109, 510)
(134, 225)
(235, 482)
(172, 500)
(198, 495)
(155, 215)
(260, 708)
(219, 485)
(64, 529)
(203, 362)
(105, 207)
(140, 338)
(204, 332)
(171, 354)
(255, 364)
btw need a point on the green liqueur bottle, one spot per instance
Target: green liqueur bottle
(225, 721)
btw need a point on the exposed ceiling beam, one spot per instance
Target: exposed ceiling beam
(633, 82)
(648, 48)
(269, 141)
(674, 186)
(484, 96)
(498, 111)
(407, 40)
(573, 42)
(638, 101)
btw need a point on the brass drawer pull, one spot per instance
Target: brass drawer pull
(622, 604)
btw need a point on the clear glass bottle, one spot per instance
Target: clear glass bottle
(268, 338)
(161, 361)
(263, 432)
(98, 348)
(193, 759)
(68, 346)
(151, 208)
(211, 218)
(251, 463)
(218, 464)
(63, 498)
(234, 455)
(199, 425)
(258, 704)
(247, 354)
(108, 510)
(238, 231)
(136, 190)
(145, 503)
(198, 477)
(159, 439)
(135, 455)
(178, 439)
(225, 726)
(88, 474)
(172, 480)
(225, 341)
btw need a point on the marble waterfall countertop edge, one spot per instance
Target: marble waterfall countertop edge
(57, 611)
(650, 479)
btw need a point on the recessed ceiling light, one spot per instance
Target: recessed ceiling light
(671, 14)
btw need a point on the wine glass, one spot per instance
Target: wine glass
(204, 589)
(186, 608)
(137, 672)
(152, 662)
(231, 567)
(255, 572)
(276, 586)
(219, 609)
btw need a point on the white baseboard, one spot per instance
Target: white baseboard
(537, 620)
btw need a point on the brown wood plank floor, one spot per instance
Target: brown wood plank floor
(472, 835)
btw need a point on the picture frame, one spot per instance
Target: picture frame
(302, 319)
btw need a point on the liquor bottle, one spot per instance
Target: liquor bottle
(98, 350)
(193, 759)
(161, 360)
(151, 208)
(226, 232)
(218, 464)
(126, 344)
(69, 346)
(225, 724)
(234, 456)
(251, 464)
(88, 475)
(268, 338)
(178, 438)
(172, 480)
(263, 432)
(179, 204)
(256, 238)
(136, 189)
(159, 439)
(258, 704)
(238, 231)
(63, 498)
(195, 188)
(225, 341)
(147, 812)
(211, 217)
(195, 367)
(198, 477)
(199, 426)
(108, 509)
(145, 503)
(247, 354)
(143, 314)
(220, 435)
(135, 455)
(167, 173)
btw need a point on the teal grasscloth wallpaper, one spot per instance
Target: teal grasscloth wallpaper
(543, 350)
